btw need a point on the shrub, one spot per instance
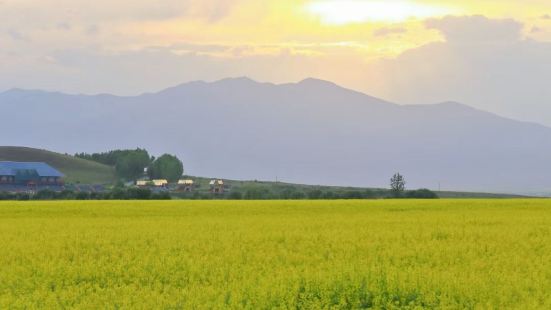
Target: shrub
(138, 193)
(161, 196)
(22, 196)
(352, 194)
(235, 195)
(66, 194)
(315, 194)
(422, 194)
(45, 195)
(329, 195)
(258, 194)
(82, 196)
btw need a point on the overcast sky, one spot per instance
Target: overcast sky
(494, 54)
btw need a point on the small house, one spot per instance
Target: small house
(217, 186)
(160, 183)
(143, 183)
(186, 185)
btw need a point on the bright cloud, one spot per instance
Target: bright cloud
(341, 12)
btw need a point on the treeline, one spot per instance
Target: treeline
(115, 194)
(132, 193)
(130, 164)
(265, 193)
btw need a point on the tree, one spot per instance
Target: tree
(130, 165)
(397, 185)
(167, 167)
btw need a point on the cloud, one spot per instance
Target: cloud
(483, 62)
(386, 31)
(64, 26)
(17, 35)
(476, 28)
(47, 12)
(536, 29)
(92, 30)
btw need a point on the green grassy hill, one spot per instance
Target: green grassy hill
(75, 169)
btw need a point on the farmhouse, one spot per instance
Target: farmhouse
(29, 174)
(143, 183)
(186, 185)
(160, 183)
(217, 186)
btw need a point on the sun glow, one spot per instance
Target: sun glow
(341, 12)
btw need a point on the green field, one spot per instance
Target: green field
(454, 254)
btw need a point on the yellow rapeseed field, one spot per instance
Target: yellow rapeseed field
(452, 254)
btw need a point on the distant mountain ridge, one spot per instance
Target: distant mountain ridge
(313, 132)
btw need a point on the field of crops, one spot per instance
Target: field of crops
(276, 254)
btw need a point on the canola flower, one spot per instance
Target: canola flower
(451, 254)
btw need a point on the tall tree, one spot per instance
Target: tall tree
(397, 185)
(130, 165)
(166, 167)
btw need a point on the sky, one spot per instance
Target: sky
(494, 55)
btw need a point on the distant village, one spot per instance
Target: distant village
(135, 174)
(217, 186)
(17, 177)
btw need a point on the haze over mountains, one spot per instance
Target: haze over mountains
(309, 132)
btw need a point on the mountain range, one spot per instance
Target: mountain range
(313, 132)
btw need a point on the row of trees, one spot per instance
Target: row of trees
(130, 164)
(115, 194)
(276, 192)
(268, 194)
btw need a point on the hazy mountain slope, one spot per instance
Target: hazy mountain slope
(310, 132)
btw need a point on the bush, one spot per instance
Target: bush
(298, 195)
(258, 194)
(6, 196)
(45, 195)
(66, 194)
(235, 195)
(138, 193)
(161, 196)
(329, 195)
(82, 196)
(22, 196)
(96, 196)
(352, 194)
(422, 194)
(315, 194)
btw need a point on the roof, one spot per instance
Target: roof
(160, 182)
(185, 182)
(216, 182)
(10, 168)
